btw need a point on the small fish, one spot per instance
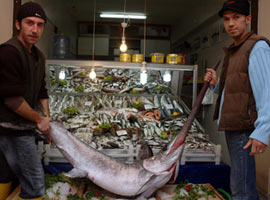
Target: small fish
(156, 101)
(177, 107)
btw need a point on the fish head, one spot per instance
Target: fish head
(163, 161)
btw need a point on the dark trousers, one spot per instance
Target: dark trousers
(19, 158)
(243, 168)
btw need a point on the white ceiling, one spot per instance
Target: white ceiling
(182, 15)
(165, 12)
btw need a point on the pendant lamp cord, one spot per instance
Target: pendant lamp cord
(94, 32)
(144, 34)
(125, 5)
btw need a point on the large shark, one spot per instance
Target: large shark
(113, 175)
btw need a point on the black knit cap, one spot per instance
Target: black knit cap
(239, 6)
(31, 9)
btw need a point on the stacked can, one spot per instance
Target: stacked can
(176, 58)
(157, 57)
(125, 57)
(137, 58)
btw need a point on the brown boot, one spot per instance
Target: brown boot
(4, 190)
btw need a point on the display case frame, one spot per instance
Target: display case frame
(177, 70)
(128, 154)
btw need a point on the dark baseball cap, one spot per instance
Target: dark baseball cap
(31, 9)
(239, 6)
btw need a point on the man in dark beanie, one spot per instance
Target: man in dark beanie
(22, 90)
(242, 107)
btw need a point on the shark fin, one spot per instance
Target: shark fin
(76, 173)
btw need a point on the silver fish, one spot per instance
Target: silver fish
(156, 101)
(166, 106)
(178, 107)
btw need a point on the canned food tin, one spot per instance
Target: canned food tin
(137, 58)
(157, 58)
(125, 57)
(182, 58)
(172, 58)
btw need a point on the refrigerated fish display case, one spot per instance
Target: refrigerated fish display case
(119, 107)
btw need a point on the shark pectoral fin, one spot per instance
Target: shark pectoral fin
(76, 173)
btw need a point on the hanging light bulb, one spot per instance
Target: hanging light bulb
(92, 74)
(167, 76)
(143, 74)
(123, 46)
(62, 74)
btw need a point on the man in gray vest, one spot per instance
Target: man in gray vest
(22, 91)
(243, 105)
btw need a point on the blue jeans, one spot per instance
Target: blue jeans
(243, 168)
(19, 157)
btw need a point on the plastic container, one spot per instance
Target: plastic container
(157, 57)
(61, 47)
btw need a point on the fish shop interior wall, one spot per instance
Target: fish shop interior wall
(186, 25)
(263, 161)
(60, 22)
(206, 42)
(193, 37)
(6, 20)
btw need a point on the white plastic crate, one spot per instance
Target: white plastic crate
(190, 155)
(50, 153)
(129, 155)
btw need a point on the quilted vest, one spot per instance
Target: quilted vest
(33, 78)
(238, 109)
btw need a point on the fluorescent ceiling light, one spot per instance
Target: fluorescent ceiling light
(121, 15)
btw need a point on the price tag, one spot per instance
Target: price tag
(148, 107)
(88, 103)
(74, 126)
(116, 121)
(77, 121)
(118, 102)
(121, 132)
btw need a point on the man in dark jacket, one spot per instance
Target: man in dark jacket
(22, 91)
(242, 107)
